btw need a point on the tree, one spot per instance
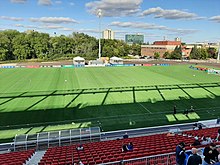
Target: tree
(212, 53)
(4, 49)
(195, 54)
(11, 34)
(32, 45)
(166, 55)
(156, 55)
(21, 47)
(204, 54)
(177, 53)
(39, 44)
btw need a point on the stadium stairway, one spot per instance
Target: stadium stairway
(35, 158)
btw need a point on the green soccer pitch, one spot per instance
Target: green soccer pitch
(47, 99)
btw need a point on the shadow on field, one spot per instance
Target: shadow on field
(106, 91)
(115, 115)
(111, 116)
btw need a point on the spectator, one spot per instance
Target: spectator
(200, 127)
(204, 141)
(125, 136)
(218, 134)
(79, 147)
(170, 134)
(196, 142)
(130, 146)
(180, 154)
(195, 126)
(194, 159)
(79, 163)
(209, 140)
(124, 148)
(211, 154)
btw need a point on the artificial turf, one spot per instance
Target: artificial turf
(110, 97)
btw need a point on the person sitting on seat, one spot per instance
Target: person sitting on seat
(130, 146)
(196, 142)
(204, 141)
(81, 163)
(170, 134)
(79, 147)
(124, 148)
(209, 139)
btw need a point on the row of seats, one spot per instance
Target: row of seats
(110, 151)
(15, 158)
(211, 132)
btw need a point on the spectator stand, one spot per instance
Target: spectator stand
(45, 140)
(161, 159)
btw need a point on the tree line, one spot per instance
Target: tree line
(15, 45)
(196, 53)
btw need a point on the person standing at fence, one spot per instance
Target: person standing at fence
(180, 154)
(211, 154)
(125, 136)
(194, 159)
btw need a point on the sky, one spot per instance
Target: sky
(191, 20)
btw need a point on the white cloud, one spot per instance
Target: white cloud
(170, 14)
(115, 8)
(26, 26)
(51, 27)
(54, 20)
(138, 25)
(215, 18)
(147, 26)
(18, 1)
(44, 2)
(11, 18)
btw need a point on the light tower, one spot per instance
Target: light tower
(99, 13)
(218, 57)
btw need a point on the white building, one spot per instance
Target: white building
(108, 34)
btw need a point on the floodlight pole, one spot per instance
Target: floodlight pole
(218, 57)
(99, 15)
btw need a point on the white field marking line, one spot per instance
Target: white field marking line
(145, 108)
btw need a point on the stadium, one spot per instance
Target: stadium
(101, 82)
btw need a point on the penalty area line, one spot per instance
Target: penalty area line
(145, 108)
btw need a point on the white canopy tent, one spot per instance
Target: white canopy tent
(78, 61)
(116, 60)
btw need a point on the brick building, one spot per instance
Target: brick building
(163, 46)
